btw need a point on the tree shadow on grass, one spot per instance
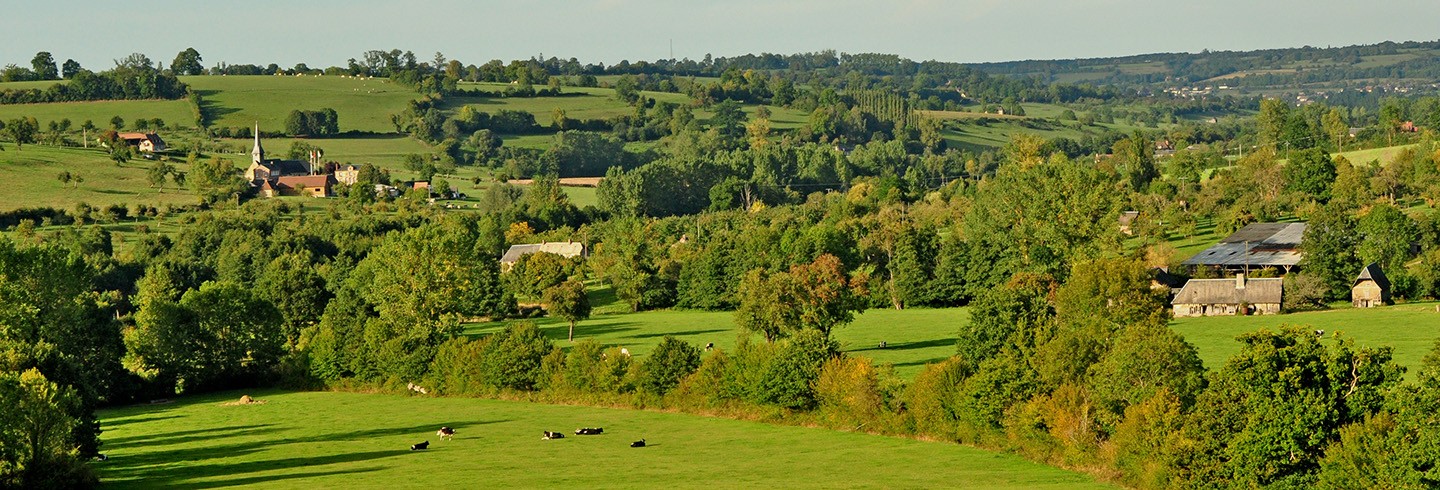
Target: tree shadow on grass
(135, 419)
(924, 344)
(177, 437)
(920, 362)
(145, 465)
(256, 480)
(675, 334)
(169, 476)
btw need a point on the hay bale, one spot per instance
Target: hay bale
(245, 400)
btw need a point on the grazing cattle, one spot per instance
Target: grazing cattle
(709, 346)
(883, 344)
(445, 433)
(639, 443)
(552, 435)
(420, 446)
(101, 457)
(1319, 333)
(589, 431)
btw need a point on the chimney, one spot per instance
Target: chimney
(1240, 281)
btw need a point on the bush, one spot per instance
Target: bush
(790, 377)
(671, 361)
(848, 391)
(512, 358)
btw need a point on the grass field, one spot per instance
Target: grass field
(30, 176)
(176, 113)
(364, 105)
(914, 337)
(349, 440)
(1411, 329)
(1383, 155)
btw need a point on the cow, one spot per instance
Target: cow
(709, 346)
(639, 443)
(589, 431)
(420, 446)
(445, 433)
(552, 435)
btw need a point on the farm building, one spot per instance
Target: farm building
(146, 142)
(563, 249)
(1371, 288)
(1126, 219)
(1216, 297)
(1256, 246)
(301, 185)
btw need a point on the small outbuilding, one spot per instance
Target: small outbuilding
(1238, 296)
(1371, 288)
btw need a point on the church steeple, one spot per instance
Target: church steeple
(257, 154)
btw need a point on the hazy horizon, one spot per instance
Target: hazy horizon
(328, 32)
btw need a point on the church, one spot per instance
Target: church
(277, 177)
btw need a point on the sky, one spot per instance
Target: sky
(323, 33)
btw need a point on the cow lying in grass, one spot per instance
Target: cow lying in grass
(589, 431)
(445, 433)
(552, 435)
(420, 446)
(639, 443)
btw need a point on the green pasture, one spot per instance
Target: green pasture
(361, 104)
(1383, 155)
(40, 84)
(914, 337)
(353, 440)
(30, 176)
(1411, 329)
(176, 113)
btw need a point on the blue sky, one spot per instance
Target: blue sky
(327, 32)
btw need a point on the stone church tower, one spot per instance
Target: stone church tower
(257, 155)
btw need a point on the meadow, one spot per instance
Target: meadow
(30, 175)
(176, 113)
(242, 101)
(1411, 329)
(354, 440)
(914, 337)
(919, 336)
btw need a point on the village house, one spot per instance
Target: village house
(347, 175)
(146, 142)
(563, 249)
(1238, 296)
(1371, 288)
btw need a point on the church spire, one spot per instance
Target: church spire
(257, 154)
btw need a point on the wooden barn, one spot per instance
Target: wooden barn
(1371, 288)
(1238, 296)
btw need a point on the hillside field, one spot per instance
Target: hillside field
(351, 440)
(914, 337)
(919, 336)
(30, 177)
(176, 113)
(361, 104)
(1411, 329)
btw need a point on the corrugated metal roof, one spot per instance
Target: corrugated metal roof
(1256, 245)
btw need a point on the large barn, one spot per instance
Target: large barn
(1238, 296)
(1256, 246)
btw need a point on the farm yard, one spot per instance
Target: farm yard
(356, 440)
